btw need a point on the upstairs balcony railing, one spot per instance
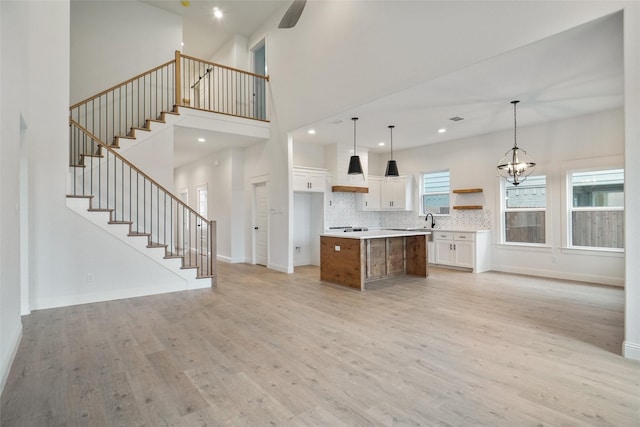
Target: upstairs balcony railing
(184, 81)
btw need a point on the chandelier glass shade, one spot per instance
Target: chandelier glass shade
(355, 167)
(516, 165)
(392, 166)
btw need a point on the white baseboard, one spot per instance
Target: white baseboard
(552, 274)
(6, 365)
(123, 293)
(631, 350)
(231, 260)
(281, 268)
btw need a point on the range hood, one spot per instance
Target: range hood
(337, 161)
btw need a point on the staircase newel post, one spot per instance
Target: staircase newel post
(178, 93)
(214, 253)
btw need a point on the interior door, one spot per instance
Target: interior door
(261, 227)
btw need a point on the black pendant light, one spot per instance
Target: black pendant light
(355, 167)
(516, 165)
(392, 166)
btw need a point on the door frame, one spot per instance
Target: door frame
(255, 182)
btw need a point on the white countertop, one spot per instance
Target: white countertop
(460, 230)
(375, 234)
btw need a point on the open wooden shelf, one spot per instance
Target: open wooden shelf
(349, 189)
(467, 207)
(468, 190)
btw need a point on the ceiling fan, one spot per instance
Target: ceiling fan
(292, 14)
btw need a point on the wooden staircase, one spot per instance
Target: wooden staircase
(110, 191)
(102, 190)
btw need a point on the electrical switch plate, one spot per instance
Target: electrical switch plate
(337, 248)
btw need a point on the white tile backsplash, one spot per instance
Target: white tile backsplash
(342, 212)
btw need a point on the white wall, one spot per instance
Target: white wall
(632, 178)
(223, 173)
(112, 41)
(235, 53)
(312, 87)
(553, 145)
(309, 155)
(154, 157)
(13, 86)
(64, 248)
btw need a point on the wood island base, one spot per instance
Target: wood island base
(353, 261)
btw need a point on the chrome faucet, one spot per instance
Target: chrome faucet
(433, 221)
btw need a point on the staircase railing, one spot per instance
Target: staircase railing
(119, 109)
(132, 197)
(184, 81)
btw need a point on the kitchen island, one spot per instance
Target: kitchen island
(355, 258)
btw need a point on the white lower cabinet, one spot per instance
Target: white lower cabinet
(463, 249)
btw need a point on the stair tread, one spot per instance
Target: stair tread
(141, 128)
(99, 210)
(79, 196)
(139, 234)
(77, 166)
(121, 222)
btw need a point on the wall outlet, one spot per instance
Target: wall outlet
(337, 248)
(90, 278)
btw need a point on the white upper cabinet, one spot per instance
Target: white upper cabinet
(396, 194)
(370, 201)
(309, 179)
(387, 194)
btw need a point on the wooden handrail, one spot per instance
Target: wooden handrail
(222, 66)
(120, 84)
(132, 166)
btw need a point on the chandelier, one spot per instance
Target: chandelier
(516, 165)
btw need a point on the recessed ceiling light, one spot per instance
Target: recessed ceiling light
(311, 131)
(442, 130)
(381, 143)
(217, 13)
(201, 140)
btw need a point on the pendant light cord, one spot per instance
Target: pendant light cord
(354, 135)
(391, 128)
(515, 125)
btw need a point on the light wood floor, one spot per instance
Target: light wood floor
(266, 348)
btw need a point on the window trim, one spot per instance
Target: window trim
(569, 209)
(502, 188)
(421, 193)
(583, 165)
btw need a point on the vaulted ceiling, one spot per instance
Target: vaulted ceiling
(575, 72)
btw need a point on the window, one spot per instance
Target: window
(525, 211)
(435, 193)
(596, 212)
(202, 200)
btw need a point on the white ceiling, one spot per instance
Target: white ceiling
(576, 72)
(204, 35)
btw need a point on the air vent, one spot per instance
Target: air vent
(456, 118)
